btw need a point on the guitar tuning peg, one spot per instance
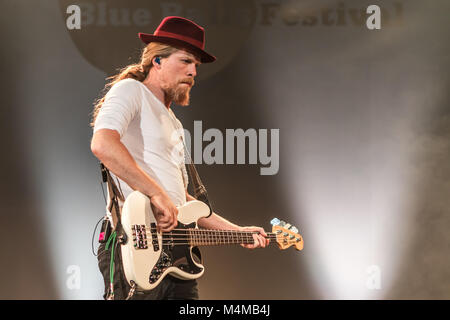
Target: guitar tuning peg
(294, 229)
(275, 221)
(282, 223)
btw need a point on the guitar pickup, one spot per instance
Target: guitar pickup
(154, 237)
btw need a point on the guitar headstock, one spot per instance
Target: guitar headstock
(286, 234)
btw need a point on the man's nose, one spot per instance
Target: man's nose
(192, 71)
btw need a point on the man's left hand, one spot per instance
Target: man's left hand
(259, 240)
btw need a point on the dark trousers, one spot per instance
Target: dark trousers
(170, 288)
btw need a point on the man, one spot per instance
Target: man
(134, 130)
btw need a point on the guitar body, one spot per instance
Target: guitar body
(147, 255)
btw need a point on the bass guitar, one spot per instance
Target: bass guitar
(148, 255)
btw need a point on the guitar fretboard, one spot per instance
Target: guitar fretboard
(208, 237)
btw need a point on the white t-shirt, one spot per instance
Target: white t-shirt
(151, 133)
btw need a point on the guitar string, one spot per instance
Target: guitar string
(213, 243)
(219, 230)
(199, 236)
(190, 235)
(201, 229)
(212, 234)
(206, 231)
(194, 233)
(166, 241)
(219, 241)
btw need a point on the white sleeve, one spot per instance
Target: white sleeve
(122, 103)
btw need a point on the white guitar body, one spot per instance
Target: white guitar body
(146, 259)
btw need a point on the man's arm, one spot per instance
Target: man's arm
(214, 221)
(108, 148)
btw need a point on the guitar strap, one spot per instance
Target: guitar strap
(114, 196)
(198, 187)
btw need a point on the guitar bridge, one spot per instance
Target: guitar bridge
(139, 236)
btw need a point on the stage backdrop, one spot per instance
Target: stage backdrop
(345, 110)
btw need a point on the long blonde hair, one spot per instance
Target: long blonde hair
(138, 71)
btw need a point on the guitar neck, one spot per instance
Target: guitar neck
(207, 237)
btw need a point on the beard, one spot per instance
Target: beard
(179, 93)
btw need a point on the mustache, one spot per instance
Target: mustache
(189, 81)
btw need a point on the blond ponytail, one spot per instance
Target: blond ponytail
(138, 71)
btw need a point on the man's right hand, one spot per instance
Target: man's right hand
(165, 212)
(108, 148)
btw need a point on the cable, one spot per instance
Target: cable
(95, 229)
(112, 238)
(93, 235)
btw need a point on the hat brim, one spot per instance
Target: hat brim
(204, 56)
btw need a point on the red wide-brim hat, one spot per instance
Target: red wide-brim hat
(180, 32)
